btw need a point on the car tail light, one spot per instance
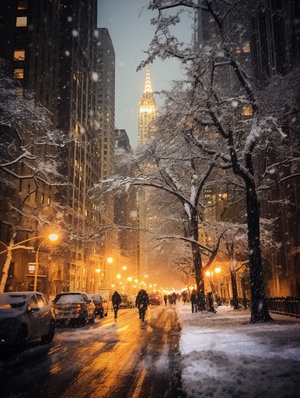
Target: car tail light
(78, 308)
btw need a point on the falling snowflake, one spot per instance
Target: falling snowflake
(95, 76)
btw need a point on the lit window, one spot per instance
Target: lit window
(247, 110)
(19, 91)
(21, 22)
(19, 73)
(19, 55)
(22, 5)
(246, 47)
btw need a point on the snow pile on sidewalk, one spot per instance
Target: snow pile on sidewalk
(224, 356)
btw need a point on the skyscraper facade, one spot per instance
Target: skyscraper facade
(29, 52)
(76, 108)
(50, 48)
(105, 100)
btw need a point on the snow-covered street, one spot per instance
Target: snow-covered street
(224, 356)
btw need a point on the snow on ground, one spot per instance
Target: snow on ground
(224, 356)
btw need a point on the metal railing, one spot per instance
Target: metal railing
(279, 305)
(284, 305)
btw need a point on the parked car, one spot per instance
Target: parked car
(25, 317)
(73, 308)
(101, 305)
(154, 299)
(126, 301)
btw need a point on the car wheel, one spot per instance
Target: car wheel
(21, 338)
(84, 319)
(49, 336)
(92, 320)
(67, 322)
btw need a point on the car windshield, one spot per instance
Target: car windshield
(12, 301)
(70, 298)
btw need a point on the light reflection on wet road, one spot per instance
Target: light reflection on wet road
(108, 359)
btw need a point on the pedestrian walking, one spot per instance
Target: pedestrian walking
(165, 299)
(174, 298)
(210, 302)
(142, 302)
(116, 301)
(194, 301)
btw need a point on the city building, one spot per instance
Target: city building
(33, 62)
(275, 49)
(270, 47)
(126, 211)
(53, 48)
(107, 245)
(105, 101)
(147, 112)
(76, 110)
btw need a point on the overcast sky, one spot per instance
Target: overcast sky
(128, 23)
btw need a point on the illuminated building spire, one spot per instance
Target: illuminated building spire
(147, 112)
(148, 87)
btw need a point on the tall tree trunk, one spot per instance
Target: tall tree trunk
(6, 265)
(197, 261)
(235, 298)
(259, 310)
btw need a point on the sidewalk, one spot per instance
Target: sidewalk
(224, 356)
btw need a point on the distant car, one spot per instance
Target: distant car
(101, 305)
(154, 299)
(132, 298)
(25, 317)
(126, 301)
(73, 308)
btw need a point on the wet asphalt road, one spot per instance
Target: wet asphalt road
(113, 359)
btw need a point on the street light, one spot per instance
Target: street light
(52, 238)
(211, 281)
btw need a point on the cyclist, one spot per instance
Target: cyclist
(116, 301)
(142, 302)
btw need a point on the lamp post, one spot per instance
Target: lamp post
(110, 260)
(211, 274)
(52, 238)
(14, 246)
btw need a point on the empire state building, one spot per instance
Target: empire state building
(147, 112)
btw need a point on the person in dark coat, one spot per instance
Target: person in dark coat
(165, 299)
(194, 300)
(210, 303)
(142, 302)
(116, 301)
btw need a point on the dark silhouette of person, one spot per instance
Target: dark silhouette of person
(194, 301)
(142, 302)
(116, 301)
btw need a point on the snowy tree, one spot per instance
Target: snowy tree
(29, 151)
(173, 165)
(26, 133)
(226, 103)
